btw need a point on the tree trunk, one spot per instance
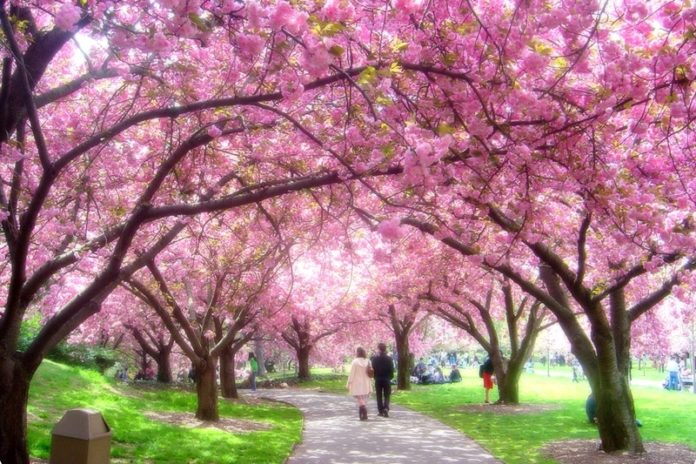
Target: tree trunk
(616, 416)
(14, 393)
(206, 389)
(143, 361)
(164, 366)
(615, 412)
(260, 355)
(509, 388)
(621, 331)
(403, 368)
(228, 382)
(500, 372)
(303, 364)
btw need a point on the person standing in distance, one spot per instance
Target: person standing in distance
(486, 372)
(384, 372)
(253, 370)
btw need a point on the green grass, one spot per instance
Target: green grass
(517, 439)
(57, 388)
(646, 372)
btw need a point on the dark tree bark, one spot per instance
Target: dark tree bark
(228, 382)
(599, 358)
(164, 366)
(142, 354)
(403, 367)
(14, 394)
(202, 352)
(303, 372)
(206, 390)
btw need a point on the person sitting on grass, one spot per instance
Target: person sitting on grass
(455, 375)
(591, 411)
(437, 376)
(420, 370)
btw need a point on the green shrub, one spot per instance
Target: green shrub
(88, 356)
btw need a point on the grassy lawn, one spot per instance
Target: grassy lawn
(646, 372)
(136, 438)
(516, 439)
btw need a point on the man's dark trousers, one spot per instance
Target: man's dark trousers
(383, 390)
(384, 371)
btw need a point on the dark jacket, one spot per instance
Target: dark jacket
(383, 366)
(486, 367)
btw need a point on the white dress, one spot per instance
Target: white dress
(359, 384)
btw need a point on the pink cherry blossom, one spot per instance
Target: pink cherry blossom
(67, 16)
(391, 229)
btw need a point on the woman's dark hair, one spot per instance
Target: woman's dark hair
(361, 352)
(252, 355)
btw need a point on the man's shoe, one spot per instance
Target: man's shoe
(385, 413)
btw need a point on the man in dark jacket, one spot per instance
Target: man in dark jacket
(384, 372)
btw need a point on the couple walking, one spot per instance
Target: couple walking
(362, 371)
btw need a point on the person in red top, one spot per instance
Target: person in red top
(486, 372)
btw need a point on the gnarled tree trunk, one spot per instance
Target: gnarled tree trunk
(14, 393)
(603, 365)
(616, 416)
(228, 382)
(403, 368)
(206, 390)
(402, 324)
(164, 365)
(509, 383)
(303, 372)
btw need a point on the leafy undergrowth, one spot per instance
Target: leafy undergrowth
(57, 388)
(517, 439)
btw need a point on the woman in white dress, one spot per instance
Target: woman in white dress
(359, 382)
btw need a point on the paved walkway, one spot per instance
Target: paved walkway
(334, 435)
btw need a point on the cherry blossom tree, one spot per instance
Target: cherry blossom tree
(587, 181)
(401, 272)
(209, 300)
(117, 119)
(156, 343)
(457, 301)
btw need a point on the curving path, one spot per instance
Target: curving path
(334, 435)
